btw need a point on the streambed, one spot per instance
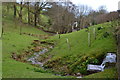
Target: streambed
(34, 59)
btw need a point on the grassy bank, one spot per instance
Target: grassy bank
(72, 56)
(14, 42)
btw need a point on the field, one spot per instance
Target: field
(75, 53)
(70, 55)
(14, 42)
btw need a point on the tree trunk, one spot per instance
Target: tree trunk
(7, 7)
(15, 11)
(36, 14)
(20, 27)
(35, 19)
(28, 13)
(20, 15)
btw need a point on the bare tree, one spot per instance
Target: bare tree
(38, 6)
(28, 3)
(102, 9)
(14, 5)
(21, 8)
(83, 11)
(62, 16)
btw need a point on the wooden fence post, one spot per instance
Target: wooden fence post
(68, 43)
(89, 41)
(59, 36)
(94, 32)
(1, 32)
(57, 33)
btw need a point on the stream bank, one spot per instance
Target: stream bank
(37, 56)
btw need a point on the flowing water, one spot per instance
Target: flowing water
(34, 60)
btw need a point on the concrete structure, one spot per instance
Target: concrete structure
(74, 26)
(110, 57)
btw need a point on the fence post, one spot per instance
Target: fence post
(57, 33)
(94, 32)
(68, 43)
(59, 36)
(1, 27)
(89, 41)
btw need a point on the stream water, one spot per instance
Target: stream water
(110, 57)
(34, 60)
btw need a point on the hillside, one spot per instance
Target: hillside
(73, 56)
(14, 42)
(68, 56)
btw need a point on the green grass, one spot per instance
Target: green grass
(0, 42)
(108, 73)
(14, 42)
(0, 58)
(79, 42)
(15, 26)
(76, 57)
(79, 54)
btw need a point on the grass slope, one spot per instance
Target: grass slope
(65, 59)
(75, 58)
(14, 42)
(0, 58)
(0, 42)
(79, 41)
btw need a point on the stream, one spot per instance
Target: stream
(34, 60)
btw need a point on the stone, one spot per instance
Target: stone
(78, 74)
(14, 56)
(37, 49)
(79, 77)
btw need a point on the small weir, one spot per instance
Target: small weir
(110, 58)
